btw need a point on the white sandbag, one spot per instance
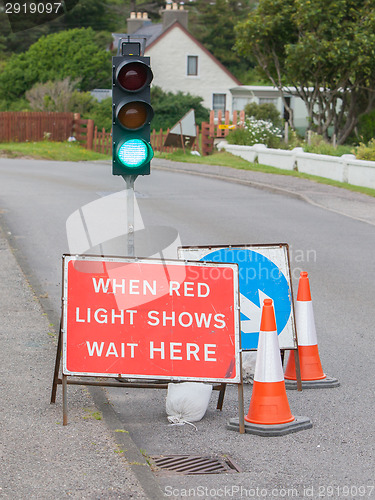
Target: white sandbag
(248, 364)
(187, 402)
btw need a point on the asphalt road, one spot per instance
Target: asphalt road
(338, 252)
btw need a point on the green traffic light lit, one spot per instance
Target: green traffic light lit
(134, 153)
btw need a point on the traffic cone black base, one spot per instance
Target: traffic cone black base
(298, 424)
(269, 412)
(327, 382)
(312, 375)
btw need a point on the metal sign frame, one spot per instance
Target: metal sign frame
(141, 380)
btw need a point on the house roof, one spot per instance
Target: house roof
(153, 33)
(150, 31)
(157, 35)
(261, 89)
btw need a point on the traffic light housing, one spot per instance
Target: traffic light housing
(131, 115)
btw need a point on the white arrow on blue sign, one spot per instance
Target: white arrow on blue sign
(263, 273)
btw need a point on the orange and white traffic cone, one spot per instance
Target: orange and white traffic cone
(269, 412)
(269, 402)
(312, 374)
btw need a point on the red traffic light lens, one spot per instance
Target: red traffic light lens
(134, 115)
(134, 76)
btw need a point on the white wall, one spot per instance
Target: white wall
(169, 65)
(343, 169)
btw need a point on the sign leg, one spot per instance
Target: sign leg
(220, 400)
(298, 370)
(241, 409)
(57, 368)
(64, 397)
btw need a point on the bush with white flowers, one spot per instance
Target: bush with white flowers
(254, 131)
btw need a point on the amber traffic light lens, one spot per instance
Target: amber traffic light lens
(133, 76)
(133, 115)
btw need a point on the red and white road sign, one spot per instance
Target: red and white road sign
(150, 319)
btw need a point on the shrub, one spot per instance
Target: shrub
(365, 152)
(319, 146)
(366, 127)
(101, 113)
(82, 103)
(294, 140)
(60, 96)
(265, 111)
(169, 108)
(20, 105)
(256, 132)
(51, 96)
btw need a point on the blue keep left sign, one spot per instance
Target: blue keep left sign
(263, 273)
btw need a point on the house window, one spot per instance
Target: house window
(219, 102)
(239, 103)
(267, 100)
(192, 65)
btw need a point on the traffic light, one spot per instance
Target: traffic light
(132, 114)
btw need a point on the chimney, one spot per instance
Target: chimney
(136, 21)
(172, 13)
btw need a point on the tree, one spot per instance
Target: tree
(100, 15)
(323, 50)
(72, 53)
(213, 23)
(265, 111)
(169, 108)
(21, 40)
(96, 14)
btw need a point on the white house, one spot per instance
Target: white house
(244, 94)
(179, 62)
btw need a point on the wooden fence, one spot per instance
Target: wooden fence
(35, 126)
(207, 140)
(83, 131)
(102, 141)
(217, 127)
(221, 126)
(158, 140)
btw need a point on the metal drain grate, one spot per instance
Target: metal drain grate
(192, 464)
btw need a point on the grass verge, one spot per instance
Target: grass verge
(48, 150)
(228, 160)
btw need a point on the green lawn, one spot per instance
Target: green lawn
(48, 150)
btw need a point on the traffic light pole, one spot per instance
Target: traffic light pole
(130, 194)
(131, 116)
